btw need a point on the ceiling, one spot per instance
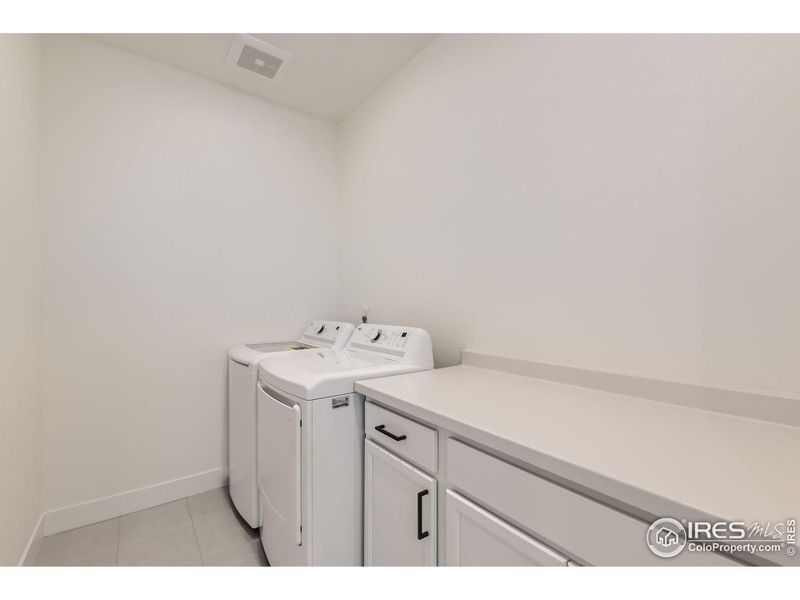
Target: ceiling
(329, 76)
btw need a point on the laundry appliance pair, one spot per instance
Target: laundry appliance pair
(297, 435)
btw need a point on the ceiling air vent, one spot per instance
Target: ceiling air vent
(250, 53)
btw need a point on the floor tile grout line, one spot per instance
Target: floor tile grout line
(160, 532)
(249, 543)
(119, 532)
(194, 530)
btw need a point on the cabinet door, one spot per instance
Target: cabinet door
(477, 538)
(399, 511)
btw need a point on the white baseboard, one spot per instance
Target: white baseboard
(34, 544)
(101, 509)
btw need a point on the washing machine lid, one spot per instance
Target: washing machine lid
(250, 354)
(318, 334)
(322, 373)
(268, 347)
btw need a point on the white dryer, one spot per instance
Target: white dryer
(242, 423)
(311, 442)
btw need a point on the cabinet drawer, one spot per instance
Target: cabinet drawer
(592, 532)
(477, 538)
(401, 435)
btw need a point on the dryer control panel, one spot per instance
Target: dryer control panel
(328, 334)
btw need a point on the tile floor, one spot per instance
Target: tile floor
(200, 530)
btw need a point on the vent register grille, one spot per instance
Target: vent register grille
(259, 62)
(259, 57)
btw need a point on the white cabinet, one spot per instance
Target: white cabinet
(495, 512)
(596, 533)
(477, 538)
(399, 511)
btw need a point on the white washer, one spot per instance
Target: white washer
(242, 377)
(311, 442)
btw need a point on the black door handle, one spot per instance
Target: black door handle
(421, 535)
(396, 438)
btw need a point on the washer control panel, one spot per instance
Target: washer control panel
(327, 333)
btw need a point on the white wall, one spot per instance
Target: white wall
(623, 203)
(181, 218)
(20, 426)
(626, 204)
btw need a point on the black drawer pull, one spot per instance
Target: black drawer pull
(396, 438)
(421, 535)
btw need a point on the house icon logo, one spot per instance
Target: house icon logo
(666, 537)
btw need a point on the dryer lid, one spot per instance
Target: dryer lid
(316, 374)
(373, 351)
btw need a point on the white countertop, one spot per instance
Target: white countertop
(656, 458)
